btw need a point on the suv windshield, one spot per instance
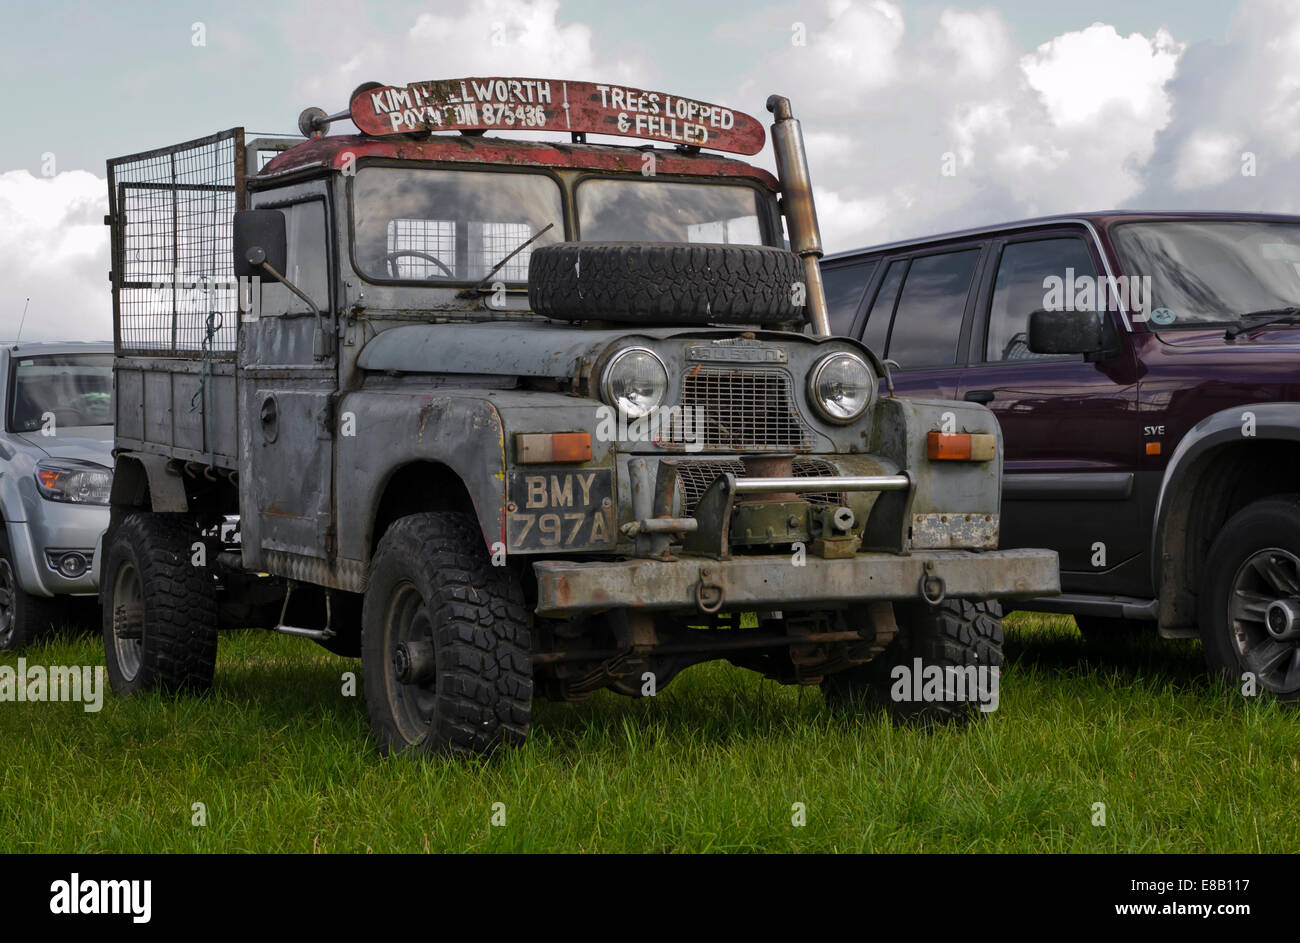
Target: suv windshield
(70, 389)
(656, 211)
(450, 225)
(1212, 271)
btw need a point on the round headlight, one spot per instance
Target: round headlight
(841, 386)
(635, 382)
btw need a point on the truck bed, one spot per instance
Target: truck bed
(175, 298)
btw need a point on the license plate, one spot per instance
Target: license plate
(561, 510)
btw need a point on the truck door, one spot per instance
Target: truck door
(1070, 428)
(286, 399)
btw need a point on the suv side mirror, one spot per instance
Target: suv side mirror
(262, 233)
(1069, 332)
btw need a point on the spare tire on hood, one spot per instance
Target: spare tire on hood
(666, 283)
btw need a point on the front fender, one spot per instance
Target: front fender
(1266, 421)
(466, 431)
(462, 431)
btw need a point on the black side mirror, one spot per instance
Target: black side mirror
(259, 236)
(1068, 332)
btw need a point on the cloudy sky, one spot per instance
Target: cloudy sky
(1038, 107)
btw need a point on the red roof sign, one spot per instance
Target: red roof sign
(513, 104)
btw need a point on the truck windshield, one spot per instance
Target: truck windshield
(423, 225)
(60, 391)
(1212, 271)
(659, 211)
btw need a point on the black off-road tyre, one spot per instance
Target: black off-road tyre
(1254, 561)
(665, 283)
(445, 642)
(958, 633)
(24, 618)
(152, 589)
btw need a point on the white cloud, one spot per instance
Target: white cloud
(860, 44)
(1068, 126)
(54, 249)
(1208, 157)
(1082, 76)
(482, 37)
(1236, 109)
(977, 43)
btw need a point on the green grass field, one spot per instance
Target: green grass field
(282, 761)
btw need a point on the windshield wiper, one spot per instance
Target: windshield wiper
(470, 292)
(1254, 320)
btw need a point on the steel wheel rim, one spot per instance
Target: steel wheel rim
(407, 620)
(1266, 576)
(8, 597)
(127, 592)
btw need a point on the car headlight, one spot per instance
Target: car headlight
(841, 386)
(635, 382)
(74, 482)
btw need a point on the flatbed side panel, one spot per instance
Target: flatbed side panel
(182, 409)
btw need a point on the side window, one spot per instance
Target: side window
(882, 309)
(845, 285)
(1022, 288)
(928, 320)
(307, 261)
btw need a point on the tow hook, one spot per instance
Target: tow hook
(709, 596)
(932, 586)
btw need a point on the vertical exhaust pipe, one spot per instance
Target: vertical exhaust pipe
(800, 211)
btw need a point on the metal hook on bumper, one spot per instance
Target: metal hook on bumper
(931, 580)
(709, 596)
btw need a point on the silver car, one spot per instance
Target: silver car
(56, 403)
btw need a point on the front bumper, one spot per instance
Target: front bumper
(61, 526)
(777, 582)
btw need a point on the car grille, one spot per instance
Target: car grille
(695, 476)
(743, 411)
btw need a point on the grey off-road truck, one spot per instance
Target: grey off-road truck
(509, 418)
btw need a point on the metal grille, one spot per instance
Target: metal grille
(171, 212)
(815, 468)
(742, 410)
(695, 476)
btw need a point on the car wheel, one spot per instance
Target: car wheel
(1250, 608)
(24, 618)
(160, 611)
(445, 647)
(943, 643)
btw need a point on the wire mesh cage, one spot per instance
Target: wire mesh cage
(171, 212)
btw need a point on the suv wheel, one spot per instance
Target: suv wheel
(445, 647)
(24, 618)
(944, 642)
(1250, 609)
(160, 612)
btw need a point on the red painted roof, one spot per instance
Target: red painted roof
(335, 151)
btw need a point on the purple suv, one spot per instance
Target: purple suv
(1145, 368)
